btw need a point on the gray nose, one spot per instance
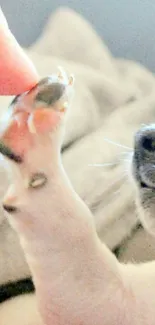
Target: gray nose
(144, 157)
(9, 208)
(145, 141)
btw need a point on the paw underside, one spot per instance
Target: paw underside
(38, 111)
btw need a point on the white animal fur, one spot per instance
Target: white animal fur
(78, 280)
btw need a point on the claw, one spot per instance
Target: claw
(62, 74)
(64, 107)
(31, 125)
(71, 80)
(19, 118)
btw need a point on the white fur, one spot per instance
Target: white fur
(77, 279)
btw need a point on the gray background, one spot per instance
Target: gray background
(127, 26)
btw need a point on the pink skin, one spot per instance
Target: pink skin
(17, 73)
(78, 280)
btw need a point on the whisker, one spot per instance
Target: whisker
(125, 153)
(120, 160)
(125, 159)
(103, 165)
(128, 157)
(118, 144)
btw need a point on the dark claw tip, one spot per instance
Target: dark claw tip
(9, 208)
(7, 152)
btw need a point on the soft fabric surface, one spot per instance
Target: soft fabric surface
(113, 98)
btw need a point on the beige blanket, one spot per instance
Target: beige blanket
(113, 98)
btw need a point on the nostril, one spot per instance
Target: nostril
(148, 143)
(9, 208)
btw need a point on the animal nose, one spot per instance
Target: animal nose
(144, 157)
(9, 208)
(145, 141)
